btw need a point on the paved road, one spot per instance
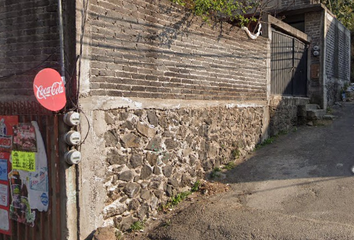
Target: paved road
(299, 187)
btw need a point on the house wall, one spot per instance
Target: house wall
(151, 50)
(168, 98)
(285, 5)
(29, 42)
(336, 59)
(331, 69)
(314, 28)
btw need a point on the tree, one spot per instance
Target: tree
(222, 9)
(343, 10)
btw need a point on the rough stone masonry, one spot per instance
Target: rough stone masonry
(154, 154)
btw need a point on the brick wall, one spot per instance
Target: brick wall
(291, 4)
(313, 29)
(28, 38)
(337, 59)
(337, 45)
(152, 49)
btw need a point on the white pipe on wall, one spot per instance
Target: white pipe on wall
(251, 35)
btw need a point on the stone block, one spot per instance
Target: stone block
(173, 182)
(128, 125)
(145, 195)
(126, 176)
(153, 120)
(109, 118)
(113, 157)
(157, 170)
(146, 130)
(114, 209)
(133, 205)
(146, 171)
(154, 144)
(104, 233)
(171, 144)
(136, 161)
(167, 170)
(130, 140)
(111, 138)
(151, 158)
(126, 223)
(132, 189)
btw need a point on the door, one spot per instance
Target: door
(288, 65)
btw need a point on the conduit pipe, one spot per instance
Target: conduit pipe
(251, 35)
(61, 40)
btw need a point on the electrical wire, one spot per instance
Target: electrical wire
(2, 78)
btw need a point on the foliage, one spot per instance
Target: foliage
(343, 9)
(196, 186)
(216, 9)
(229, 166)
(137, 226)
(215, 173)
(235, 153)
(175, 200)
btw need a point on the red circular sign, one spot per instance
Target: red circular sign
(49, 89)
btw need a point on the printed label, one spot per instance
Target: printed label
(3, 169)
(4, 195)
(4, 223)
(24, 161)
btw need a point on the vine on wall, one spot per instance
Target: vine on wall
(223, 9)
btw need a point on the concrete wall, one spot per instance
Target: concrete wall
(145, 60)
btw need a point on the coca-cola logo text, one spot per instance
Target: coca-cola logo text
(45, 92)
(49, 89)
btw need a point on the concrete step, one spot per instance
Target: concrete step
(312, 107)
(315, 114)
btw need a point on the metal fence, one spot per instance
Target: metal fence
(288, 65)
(47, 224)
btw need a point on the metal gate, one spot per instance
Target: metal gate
(47, 224)
(288, 65)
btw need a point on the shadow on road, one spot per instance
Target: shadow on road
(310, 152)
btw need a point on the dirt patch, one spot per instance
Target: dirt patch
(206, 189)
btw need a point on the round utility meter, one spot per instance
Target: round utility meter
(72, 137)
(72, 157)
(316, 53)
(72, 118)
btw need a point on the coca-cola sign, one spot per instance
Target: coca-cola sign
(49, 89)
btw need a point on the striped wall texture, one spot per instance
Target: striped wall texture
(154, 49)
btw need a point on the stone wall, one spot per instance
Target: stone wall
(155, 154)
(151, 63)
(286, 113)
